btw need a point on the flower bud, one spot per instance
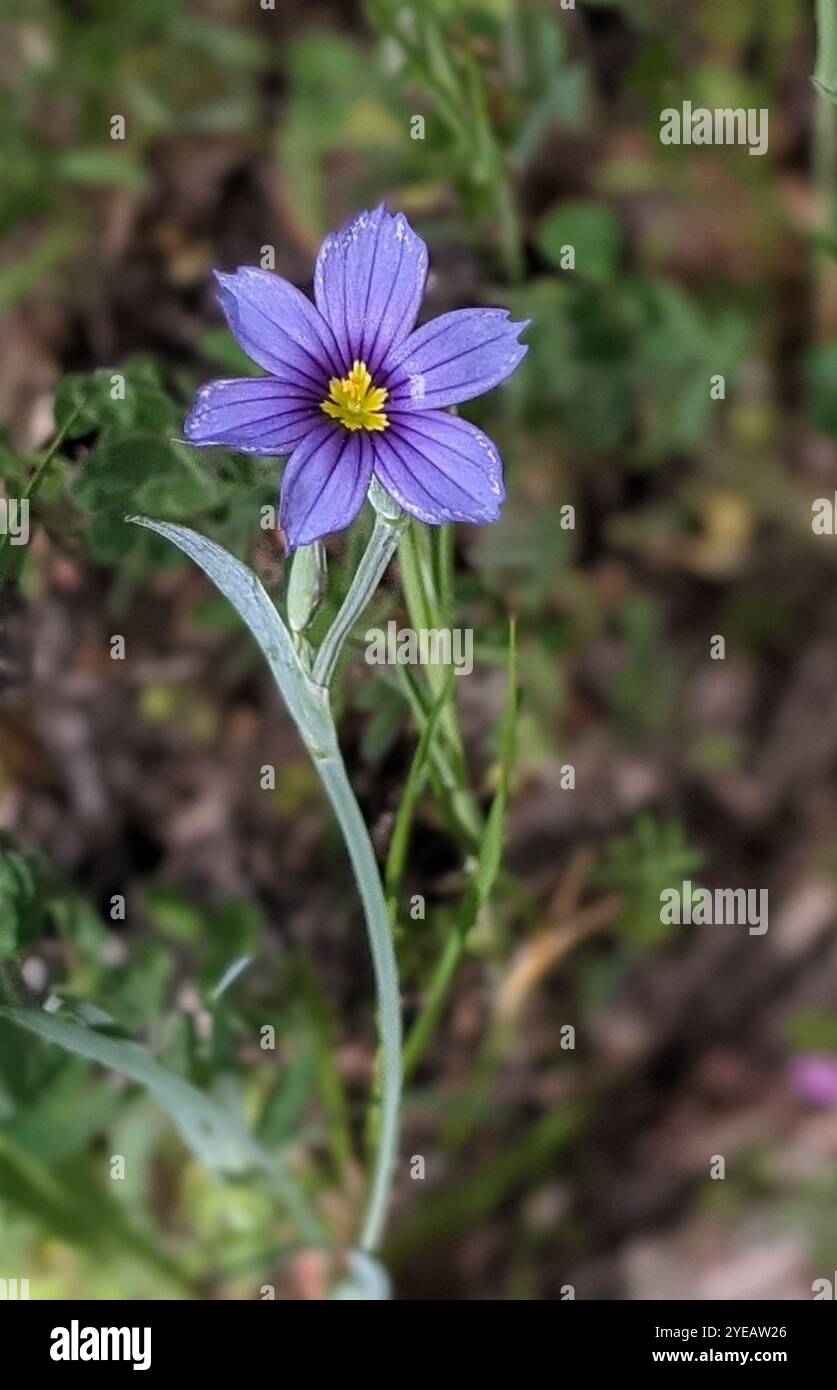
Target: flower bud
(384, 505)
(306, 584)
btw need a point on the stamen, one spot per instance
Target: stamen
(355, 402)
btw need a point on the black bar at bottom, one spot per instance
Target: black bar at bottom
(84, 1340)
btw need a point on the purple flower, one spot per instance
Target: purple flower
(355, 390)
(814, 1077)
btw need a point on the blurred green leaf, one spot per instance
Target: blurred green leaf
(29, 270)
(593, 233)
(226, 45)
(25, 884)
(68, 1113)
(656, 855)
(79, 923)
(212, 1133)
(812, 1030)
(172, 914)
(113, 474)
(380, 701)
(821, 374)
(641, 693)
(117, 400)
(525, 556)
(234, 934)
(136, 995)
(557, 90)
(100, 168)
(219, 347)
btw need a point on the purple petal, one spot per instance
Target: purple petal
(452, 359)
(256, 415)
(440, 468)
(369, 281)
(326, 480)
(279, 328)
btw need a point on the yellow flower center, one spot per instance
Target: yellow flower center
(355, 402)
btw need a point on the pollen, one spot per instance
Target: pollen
(355, 402)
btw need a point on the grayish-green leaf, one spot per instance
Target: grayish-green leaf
(307, 704)
(208, 1130)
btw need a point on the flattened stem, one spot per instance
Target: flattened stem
(358, 844)
(383, 544)
(307, 702)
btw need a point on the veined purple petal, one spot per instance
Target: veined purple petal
(325, 482)
(440, 468)
(256, 415)
(452, 359)
(279, 328)
(368, 282)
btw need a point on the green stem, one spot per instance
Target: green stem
(484, 876)
(423, 607)
(826, 73)
(443, 977)
(825, 114)
(389, 525)
(361, 853)
(308, 706)
(382, 546)
(413, 787)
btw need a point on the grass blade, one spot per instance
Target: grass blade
(482, 881)
(416, 779)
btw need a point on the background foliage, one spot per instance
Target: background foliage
(546, 1165)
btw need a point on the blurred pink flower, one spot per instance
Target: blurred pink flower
(814, 1077)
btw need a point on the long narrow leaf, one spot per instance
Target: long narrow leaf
(463, 811)
(212, 1132)
(482, 882)
(416, 778)
(208, 1130)
(491, 850)
(307, 704)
